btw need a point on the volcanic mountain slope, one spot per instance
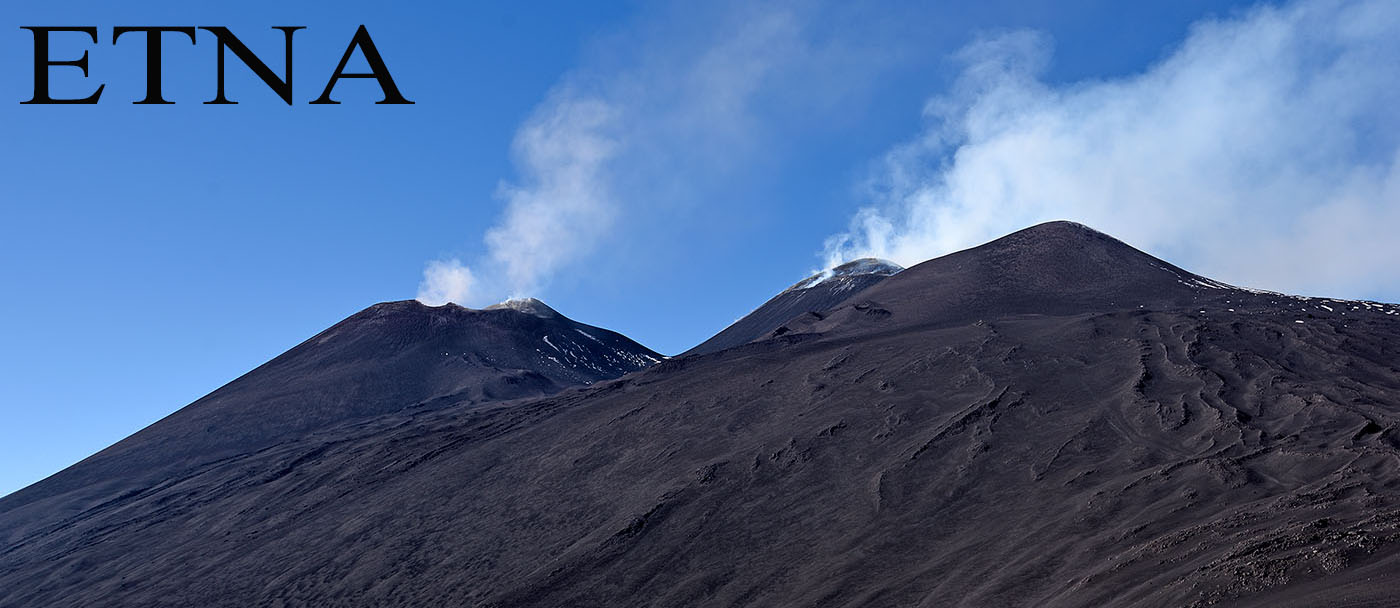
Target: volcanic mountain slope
(385, 358)
(1051, 419)
(813, 294)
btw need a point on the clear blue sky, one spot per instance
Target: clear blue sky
(149, 254)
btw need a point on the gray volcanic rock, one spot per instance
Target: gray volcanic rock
(386, 358)
(813, 294)
(1051, 419)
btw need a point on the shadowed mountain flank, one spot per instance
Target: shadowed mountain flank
(1052, 419)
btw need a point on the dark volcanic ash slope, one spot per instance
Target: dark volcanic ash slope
(385, 358)
(1052, 419)
(811, 295)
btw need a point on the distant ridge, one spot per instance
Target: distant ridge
(528, 306)
(810, 295)
(1057, 267)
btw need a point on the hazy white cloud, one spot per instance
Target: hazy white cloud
(1262, 151)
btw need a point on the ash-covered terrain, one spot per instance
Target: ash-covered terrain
(1051, 419)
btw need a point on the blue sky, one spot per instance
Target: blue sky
(682, 163)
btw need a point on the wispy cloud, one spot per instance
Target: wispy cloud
(1262, 151)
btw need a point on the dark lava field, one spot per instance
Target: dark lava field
(1051, 419)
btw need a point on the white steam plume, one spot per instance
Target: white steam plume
(565, 205)
(556, 216)
(445, 281)
(1263, 151)
(626, 139)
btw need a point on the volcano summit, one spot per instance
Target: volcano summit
(1050, 419)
